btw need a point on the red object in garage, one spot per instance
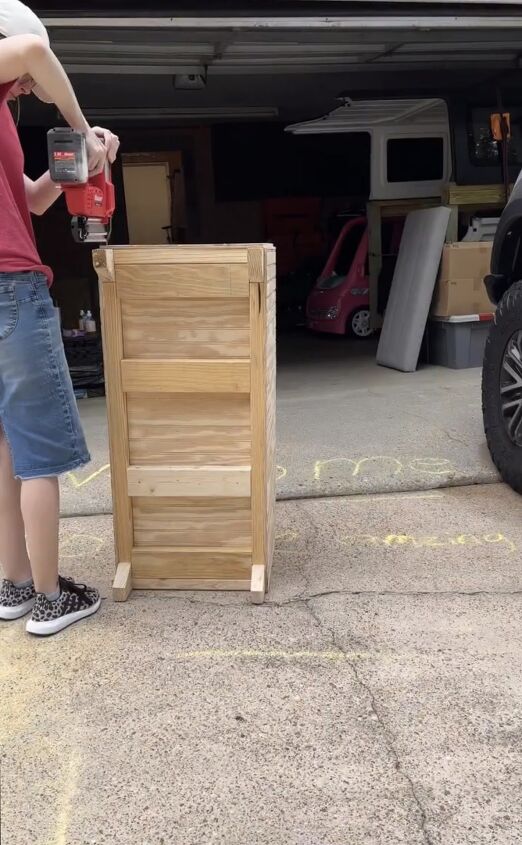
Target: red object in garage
(293, 225)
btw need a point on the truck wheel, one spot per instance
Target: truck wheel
(502, 388)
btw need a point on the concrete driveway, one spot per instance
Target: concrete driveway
(345, 427)
(375, 697)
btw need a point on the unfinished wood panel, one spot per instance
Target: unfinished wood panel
(190, 563)
(221, 482)
(184, 429)
(192, 522)
(160, 376)
(158, 331)
(194, 372)
(162, 282)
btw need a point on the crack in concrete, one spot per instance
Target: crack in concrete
(387, 734)
(302, 598)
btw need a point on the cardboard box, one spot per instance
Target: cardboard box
(460, 287)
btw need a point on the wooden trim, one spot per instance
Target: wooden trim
(258, 584)
(122, 584)
(191, 481)
(117, 414)
(258, 404)
(181, 255)
(191, 376)
(189, 584)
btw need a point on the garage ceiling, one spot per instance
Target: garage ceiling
(291, 67)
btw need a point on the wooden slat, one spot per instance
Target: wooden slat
(117, 415)
(191, 563)
(220, 523)
(258, 404)
(192, 481)
(203, 376)
(189, 584)
(180, 255)
(162, 282)
(122, 584)
(157, 331)
(186, 429)
(230, 313)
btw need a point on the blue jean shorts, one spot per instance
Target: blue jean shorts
(38, 411)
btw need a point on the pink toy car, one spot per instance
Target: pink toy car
(339, 302)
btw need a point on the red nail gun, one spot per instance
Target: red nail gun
(90, 199)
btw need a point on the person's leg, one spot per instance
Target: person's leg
(13, 551)
(40, 506)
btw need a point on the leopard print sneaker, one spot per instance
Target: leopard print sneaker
(75, 602)
(15, 602)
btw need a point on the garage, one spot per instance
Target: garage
(203, 103)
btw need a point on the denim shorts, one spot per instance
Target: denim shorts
(38, 411)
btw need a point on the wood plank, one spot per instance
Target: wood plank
(162, 282)
(373, 214)
(154, 336)
(190, 522)
(477, 195)
(189, 481)
(202, 376)
(189, 584)
(186, 429)
(122, 584)
(257, 584)
(191, 563)
(180, 255)
(258, 406)
(229, 313)
(117, 415)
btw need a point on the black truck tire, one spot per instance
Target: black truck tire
(503, 372)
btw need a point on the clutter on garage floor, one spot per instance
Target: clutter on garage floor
(460, 286)
(458, 342)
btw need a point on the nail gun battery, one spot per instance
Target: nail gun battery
(67, 153)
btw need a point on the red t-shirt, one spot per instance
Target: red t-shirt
(18, 252)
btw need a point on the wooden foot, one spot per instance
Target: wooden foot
(257, 584)
(122, 584)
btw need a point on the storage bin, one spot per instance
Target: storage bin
(189, 348)
(458, 342)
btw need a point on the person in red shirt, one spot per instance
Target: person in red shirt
(40, 431)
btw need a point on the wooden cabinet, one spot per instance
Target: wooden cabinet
(189, 348)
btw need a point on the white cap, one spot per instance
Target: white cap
(18, 19)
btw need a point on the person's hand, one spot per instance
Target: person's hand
(96, 152)
(111, 141)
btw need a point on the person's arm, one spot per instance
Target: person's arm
(41, 193)
(29, 54)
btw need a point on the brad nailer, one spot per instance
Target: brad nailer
(90, 199)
